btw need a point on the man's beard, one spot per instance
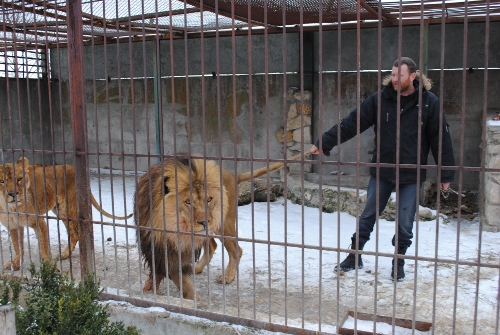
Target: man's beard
(402, 87)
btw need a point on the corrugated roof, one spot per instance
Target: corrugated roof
(42, 24)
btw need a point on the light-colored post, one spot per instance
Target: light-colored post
(7, 320)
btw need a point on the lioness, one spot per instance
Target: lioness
(27, 192)
(205, 204)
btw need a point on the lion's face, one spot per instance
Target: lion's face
(197, 210)
(196, 207)
(14, 180)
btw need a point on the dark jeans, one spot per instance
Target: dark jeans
(406, 210)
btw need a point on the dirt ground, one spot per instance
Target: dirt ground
(469, 205)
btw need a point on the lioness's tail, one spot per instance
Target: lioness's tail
(247, 176)
(103, 212)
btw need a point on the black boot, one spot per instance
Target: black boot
(349, 263)
(400, 271)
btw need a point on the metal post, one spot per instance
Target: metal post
(79, 123)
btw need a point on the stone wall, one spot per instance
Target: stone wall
(297, 131)
(491, 211)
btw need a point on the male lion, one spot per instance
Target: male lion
(205, 196)
(27, 192)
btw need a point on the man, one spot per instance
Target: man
(404, 81)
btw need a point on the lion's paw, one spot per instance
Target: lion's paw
(149, 287)
(225, 279)
(14, 265)
(65, 254)
(199, 268)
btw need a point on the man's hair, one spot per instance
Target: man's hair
(412, 67)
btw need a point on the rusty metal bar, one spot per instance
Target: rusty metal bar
(460, 171)
(482, 174)
(79, 123)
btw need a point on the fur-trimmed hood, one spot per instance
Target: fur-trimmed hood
(426, 82)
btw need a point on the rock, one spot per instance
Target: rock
(426, 214)
(303, 108)
(260, 192)
(282, 137)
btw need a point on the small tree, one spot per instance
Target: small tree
(55, 305)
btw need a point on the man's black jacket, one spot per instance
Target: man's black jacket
(430, 136)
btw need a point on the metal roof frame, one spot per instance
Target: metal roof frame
(36, 24)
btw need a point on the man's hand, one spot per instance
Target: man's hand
(314, 150)
(445, 186)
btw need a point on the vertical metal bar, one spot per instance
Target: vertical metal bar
(285, 184)
(250, 105)
(63, 137)
(482, 175)
(189, 142)
(219, 146)
(135, 125)
(377, 167)
(461, 161)
(425, 59)
(46, 78)
(44, 207)
(358, 150)
(97, 139)
(398, 150)
(266, 96)
(174, 120)
(339, 149)
(133, 110)
(320, 193)
(79, 124)
(235, 148)
(22, 117)
(423, 46)
(157, 97)
(204, 134)
(111, 134)
(97, 127)
(441, 103)
(301, 75)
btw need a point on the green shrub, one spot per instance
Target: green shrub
(55, 305)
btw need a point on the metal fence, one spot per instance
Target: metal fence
(123, 87)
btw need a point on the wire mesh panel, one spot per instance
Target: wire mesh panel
(176, 143)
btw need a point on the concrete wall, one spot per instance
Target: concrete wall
(453, 37)
(29, 125)
(197, 116)
(157, 320)
(189, 57)
(196, 56)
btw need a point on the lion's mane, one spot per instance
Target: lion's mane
(175, 199)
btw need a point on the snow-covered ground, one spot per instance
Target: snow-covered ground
(296, 284)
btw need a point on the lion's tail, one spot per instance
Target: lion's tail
(247, 176)
(103, 212)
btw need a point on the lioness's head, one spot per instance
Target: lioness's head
(14, 180)
(187, 196)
